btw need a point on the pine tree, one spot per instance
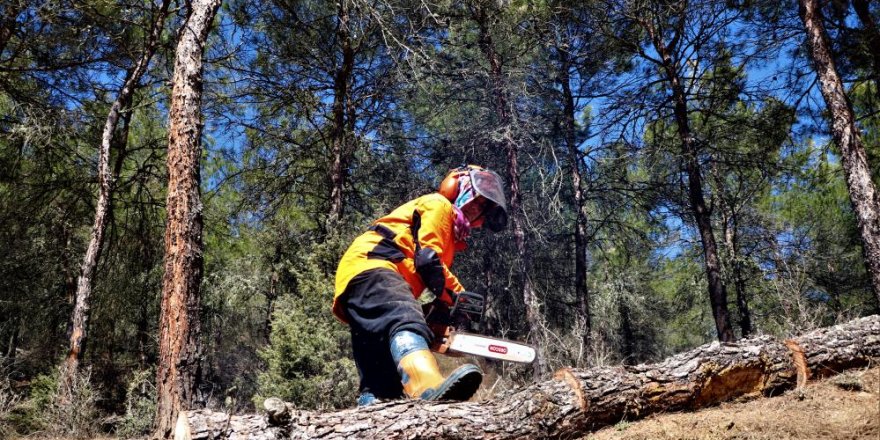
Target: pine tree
(179, 347)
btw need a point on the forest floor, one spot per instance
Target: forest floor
(846, 406)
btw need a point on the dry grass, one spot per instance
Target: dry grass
(41, 436)
(832, 409)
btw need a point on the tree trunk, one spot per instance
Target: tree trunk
(500, 102)
(179, 326)
(340, 137)
(143, 336)
(489, 325)
(862, 191)
(739, 283)
(873, 35)
(733, 265)
(627, 335)
(580, 225)
(576, 401)
(12, 349)
(79, 318)
(272, 294)
(696, 200)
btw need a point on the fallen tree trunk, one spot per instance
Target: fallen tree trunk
(577, 401)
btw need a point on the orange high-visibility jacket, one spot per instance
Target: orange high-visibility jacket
(372, 250)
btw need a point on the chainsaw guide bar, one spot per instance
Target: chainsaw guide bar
(458, 343)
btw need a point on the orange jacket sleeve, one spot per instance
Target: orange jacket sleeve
(437, 232)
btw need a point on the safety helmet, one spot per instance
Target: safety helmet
(484, 183)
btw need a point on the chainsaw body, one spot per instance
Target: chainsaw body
(452, 338)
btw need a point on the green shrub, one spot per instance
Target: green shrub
(72, 411)
(140, 406)
(308, 358)
(56, 410)
(9, 398)
(28, 415)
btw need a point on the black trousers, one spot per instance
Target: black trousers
(378, 303)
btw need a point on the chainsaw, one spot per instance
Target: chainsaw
(451, 336)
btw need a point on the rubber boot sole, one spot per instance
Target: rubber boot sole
(460, 385)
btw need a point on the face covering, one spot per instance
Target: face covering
(466, 192)
(461, 224)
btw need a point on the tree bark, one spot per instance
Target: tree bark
(500, 101)
(179, 326)
(696, 200)
(862, 192)
(341, 137)
(79, 318)
(576, 401)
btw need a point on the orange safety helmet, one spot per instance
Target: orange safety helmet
(484, 183)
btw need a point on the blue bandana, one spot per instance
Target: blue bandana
(466, 191)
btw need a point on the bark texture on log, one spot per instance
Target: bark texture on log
(576, 401)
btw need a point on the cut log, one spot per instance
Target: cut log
(577, 401)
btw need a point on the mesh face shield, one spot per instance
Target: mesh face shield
(489, 185)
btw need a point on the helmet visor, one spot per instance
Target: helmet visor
(489, 185)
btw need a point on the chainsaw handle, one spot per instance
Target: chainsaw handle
(442, 338)
(467, 309)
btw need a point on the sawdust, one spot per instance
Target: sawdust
(822, 410)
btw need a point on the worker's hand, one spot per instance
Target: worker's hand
(436, 312)
(468, 309)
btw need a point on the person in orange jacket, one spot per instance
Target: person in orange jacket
(385, 270)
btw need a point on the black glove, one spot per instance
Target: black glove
(468, 309)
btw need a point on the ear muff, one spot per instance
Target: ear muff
(449, 186)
